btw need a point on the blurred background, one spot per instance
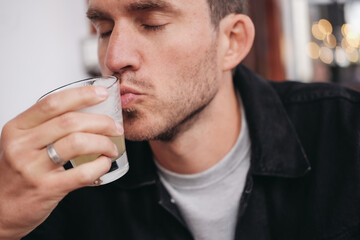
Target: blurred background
(47, 43)
(40, 49)
(307, 40)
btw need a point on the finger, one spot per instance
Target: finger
(83, 175)
(81, 144)
(71, 122)
(59, 103)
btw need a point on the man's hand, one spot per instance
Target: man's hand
(31, 185)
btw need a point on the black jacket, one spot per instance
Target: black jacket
(303, 183)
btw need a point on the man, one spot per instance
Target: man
(212, 155)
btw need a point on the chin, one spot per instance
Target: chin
(143, 130)
(138, 129)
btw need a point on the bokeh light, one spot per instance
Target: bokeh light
(326, 55)
(345, 29)
(317, 33)
(353, 39)
(313, 50)
(352, 54)
(341, 58)
(326, 47)
(325, 26)
(330, 41)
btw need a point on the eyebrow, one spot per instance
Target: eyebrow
(149, 5)
(142, 5)
(94, 14)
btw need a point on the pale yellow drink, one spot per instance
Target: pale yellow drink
(119, 142)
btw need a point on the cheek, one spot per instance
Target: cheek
(179, 58)
(191, 76)
(186, 60)
(193, 47)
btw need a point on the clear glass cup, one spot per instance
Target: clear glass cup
(112, 108)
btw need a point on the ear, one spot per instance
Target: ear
(237, 36)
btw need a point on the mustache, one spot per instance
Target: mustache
(130, 79)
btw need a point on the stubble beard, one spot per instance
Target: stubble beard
(179, 119)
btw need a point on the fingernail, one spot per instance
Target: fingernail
(97, 182)
(119, 128)
(101, 92)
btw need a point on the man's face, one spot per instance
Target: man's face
(164, 52)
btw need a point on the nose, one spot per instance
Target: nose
(122, 52)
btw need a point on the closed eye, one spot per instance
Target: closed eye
(105, 34)
(154, 27)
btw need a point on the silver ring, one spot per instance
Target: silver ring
(53, 155)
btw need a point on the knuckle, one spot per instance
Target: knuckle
(76, 141)
(10, 149)
(107, 123)
(32, 137)
(27, 173)
(14, 153)
(103, 143)
(84, 177)
(49, 104)
(106, 119)
(108, 143)
(6, 130)
(68, 120)
(9, 131)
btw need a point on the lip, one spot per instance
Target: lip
(128, 96)
(125, 89)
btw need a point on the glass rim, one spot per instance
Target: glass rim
(80, 81)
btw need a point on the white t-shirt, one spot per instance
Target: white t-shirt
(209, 201)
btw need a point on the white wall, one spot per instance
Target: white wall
(40, 49)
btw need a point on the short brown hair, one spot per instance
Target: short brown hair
(221, 8)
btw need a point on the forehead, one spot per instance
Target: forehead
(111, 7)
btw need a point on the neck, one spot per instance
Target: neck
(210, 137)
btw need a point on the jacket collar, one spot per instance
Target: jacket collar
(276, 149)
